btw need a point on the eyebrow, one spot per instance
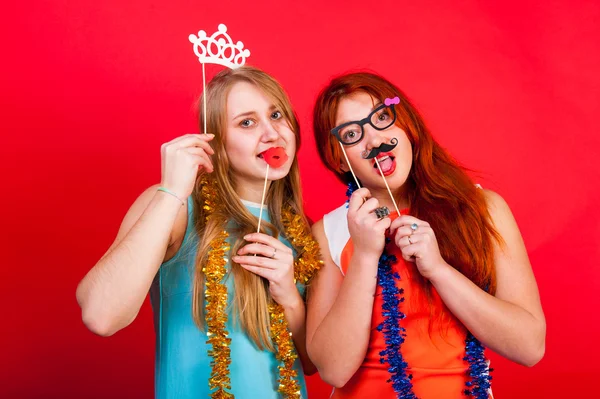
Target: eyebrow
(379, 104)
(244, 114)
(249, 113)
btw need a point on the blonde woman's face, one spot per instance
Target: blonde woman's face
(255, 124)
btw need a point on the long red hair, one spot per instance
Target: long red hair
(439, 189)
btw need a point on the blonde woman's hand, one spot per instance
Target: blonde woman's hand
(182, 159)
(275, 262)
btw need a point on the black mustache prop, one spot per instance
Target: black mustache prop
(384, 147)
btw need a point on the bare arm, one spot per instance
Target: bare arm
(111, 294)
(339, 314)
(512, 322)
(340, 308)
(295, 314)
(113, 291)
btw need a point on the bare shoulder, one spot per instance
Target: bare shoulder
(499, 210)
(495, 201)
(318, 230)
(325, 286)
(329, 269)
(511, 257)
(515, 279)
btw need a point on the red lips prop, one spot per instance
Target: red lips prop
(275, 157)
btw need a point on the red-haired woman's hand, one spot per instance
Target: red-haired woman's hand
(182, 159)
(366, 229)
(418, 244)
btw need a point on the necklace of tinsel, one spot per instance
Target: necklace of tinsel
(394, 336)
(305, 266)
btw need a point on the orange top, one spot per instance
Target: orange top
(434, 356)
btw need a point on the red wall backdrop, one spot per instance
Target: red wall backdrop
(89, 91)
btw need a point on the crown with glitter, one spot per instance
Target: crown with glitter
(219, 48)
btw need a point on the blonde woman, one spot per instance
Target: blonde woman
(216, 285)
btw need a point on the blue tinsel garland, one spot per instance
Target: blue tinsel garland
(394, 334)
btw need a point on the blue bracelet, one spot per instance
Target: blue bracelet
(166, 190)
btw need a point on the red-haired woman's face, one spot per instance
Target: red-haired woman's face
(395, 164)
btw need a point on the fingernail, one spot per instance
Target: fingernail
(246, 236)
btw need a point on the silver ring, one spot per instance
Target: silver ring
(409, 240)
(414, 227)
(381, 212)
(274, 252)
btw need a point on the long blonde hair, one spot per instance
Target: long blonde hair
(251, 294)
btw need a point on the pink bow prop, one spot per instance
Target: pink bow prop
(390, 101)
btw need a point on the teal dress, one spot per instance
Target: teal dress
(182, 366)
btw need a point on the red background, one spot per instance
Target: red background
(90, 91)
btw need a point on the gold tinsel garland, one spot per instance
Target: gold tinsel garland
(216, 304)
(286, 353)
(308, 261)
(305, 266)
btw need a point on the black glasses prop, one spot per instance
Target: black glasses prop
(351, 133)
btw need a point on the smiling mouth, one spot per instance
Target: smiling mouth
(386, 163)
(383, 159)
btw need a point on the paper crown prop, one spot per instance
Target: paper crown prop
(218, 48)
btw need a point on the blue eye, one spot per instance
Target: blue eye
(382, 118)
(246, 123)
(351, 134)
(384, 115)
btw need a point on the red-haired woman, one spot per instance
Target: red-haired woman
(405, 304)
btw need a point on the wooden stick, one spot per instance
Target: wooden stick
(386, 185)
(204, 97)
(349, 166)
(262, 202)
